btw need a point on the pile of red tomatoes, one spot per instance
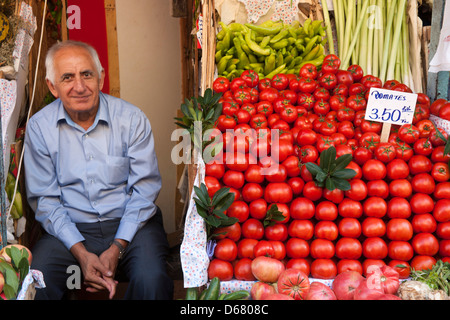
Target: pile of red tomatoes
(397, 211)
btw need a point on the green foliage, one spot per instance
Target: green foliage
(14, 272)
(200, 111)
(213, 210)
(332, 173)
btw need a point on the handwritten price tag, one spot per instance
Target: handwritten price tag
(390, 106)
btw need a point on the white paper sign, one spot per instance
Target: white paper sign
(390, 106)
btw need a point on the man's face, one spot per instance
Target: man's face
(77, 82)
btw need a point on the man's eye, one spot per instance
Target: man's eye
(87, 74)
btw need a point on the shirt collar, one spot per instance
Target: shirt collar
(102, 113)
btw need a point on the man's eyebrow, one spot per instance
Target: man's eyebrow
(67, 74)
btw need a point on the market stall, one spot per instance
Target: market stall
(321, 158)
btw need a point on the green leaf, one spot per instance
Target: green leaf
(15, 255)
(219, 195)
(341, 184)
(327, 157)
(329, 184)
(213, 221)
(202, 194)
(343, 161)
(313, 168)
(321, 176)
(24, 268)
(344, 174)
(9, 291)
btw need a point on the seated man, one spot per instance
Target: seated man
(92, 179)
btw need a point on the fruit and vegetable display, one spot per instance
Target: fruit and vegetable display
(302, 178)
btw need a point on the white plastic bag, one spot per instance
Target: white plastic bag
(441, 60)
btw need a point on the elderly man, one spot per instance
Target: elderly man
(92, 179)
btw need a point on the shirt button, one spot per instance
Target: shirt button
(92, 181)
(94, 203)
(91, 157)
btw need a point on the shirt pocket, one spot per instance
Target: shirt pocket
(118, 169)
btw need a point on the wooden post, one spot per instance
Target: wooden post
(113, 48)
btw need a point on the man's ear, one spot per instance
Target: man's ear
(52, 88)
(102, 80)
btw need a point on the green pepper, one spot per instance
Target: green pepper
(265, 30)
(312, 53)
(269, 64)
(280, 35)
(265, 41)
(254, 46)
(280, 44)
(276, 71)
(243, 60)
(280, 59)
(222, 65)
(309, 46)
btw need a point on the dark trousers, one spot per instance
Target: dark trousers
(143, 265)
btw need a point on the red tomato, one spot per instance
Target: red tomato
(375, 207)
(293, 283)
(243, 270)
(440, 172)
(212, 184)
(226, 249)
(263, 248)
(442, 191)
(444, 112)
(253, 229)
(424, 223)
(279, 249)
(423, 183)
(238, 209)
(374, 169)
(348, 248)
(323, 269)
(399, 229)
(220, 269)
(440, 211)
(232, 232)
(297, 248)
(425, 244)
(397, 169)
(443, 230)
(374, 248)
(444, 248)
(402, 267)
(326, 210)
(400, 250)
(234, 179)
(398, 208)
(221, 84)
(258, 208)
(278, 192)
(326, 230)
(408, 133)
(373, 227)
(278, 231)
(349, 265)
(349, 208)
(308, 70)
(302, 229)
(246, 248)
(422, 262)
(356, 71)
(400, 188)
(437, 105)
(312, 191)
(322, 249)
(350, 227)
(421, 203)
(279, 81)
(419, 164)
(298, 263)
(250, 77)
(358, 190)
(331, 63)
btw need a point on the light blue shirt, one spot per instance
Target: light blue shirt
(106, 172)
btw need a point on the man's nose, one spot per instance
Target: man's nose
(79, 84)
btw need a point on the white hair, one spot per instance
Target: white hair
(49, 60)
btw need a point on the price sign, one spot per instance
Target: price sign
(390, 106)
